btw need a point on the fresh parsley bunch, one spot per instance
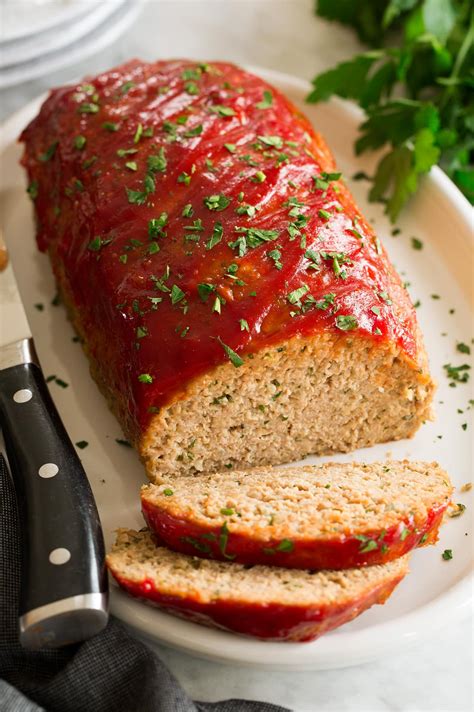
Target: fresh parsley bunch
(416, 87)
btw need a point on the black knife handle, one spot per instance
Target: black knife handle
(63, 596)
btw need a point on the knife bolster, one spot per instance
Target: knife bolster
(18, 353)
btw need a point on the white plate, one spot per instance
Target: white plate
(23, 18)
(97, 39)
(436, 592)
(43, 43)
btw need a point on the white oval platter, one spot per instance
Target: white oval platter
(436, 592)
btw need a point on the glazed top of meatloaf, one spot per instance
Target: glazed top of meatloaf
(193, 215)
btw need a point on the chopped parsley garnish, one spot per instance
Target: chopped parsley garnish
(296, 295)
(322, 304)
(223, 541)
(196, 131)
(80, 142)
(222, 110)
(346, 322)
(416, 243)
(131, 165)
(267, 101)
(463, 348)
(125, 443)
(145, 378)
(139, 197)
(244, 325)
(322, 181)
(259, 177)
(184, 178)
(204, 290)
(285, 545)
(198, 545)
(275, 256)
(447, 554)
(217, 304)
(126, 86)
(338, 259)
(167, 492)
(404, 533)
(88, 108)
(234, 358)
(82, 444)
(216, 236)
(49, 153)
(126, 152)
(156, 225)
(110, 126)
(217, 202)
(227, 511)
(136, 197)
(176, 295)
(141, 332)
(251, 238)
(97, 243)
(170, 129)
(230, 147)
(324, 214)
(32, 189)
(246, 209)
(366, 544)
(314, 258)
(191, 88)
(187, 211)
(157, 162)
(138, 133)
(273, 141)
(457, 374)
(196, 226)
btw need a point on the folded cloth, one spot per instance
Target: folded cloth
(112, 672)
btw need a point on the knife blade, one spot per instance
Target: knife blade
(63, 595)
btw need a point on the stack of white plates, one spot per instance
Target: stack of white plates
(42, 36)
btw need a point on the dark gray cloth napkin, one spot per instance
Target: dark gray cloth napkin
(112, 672)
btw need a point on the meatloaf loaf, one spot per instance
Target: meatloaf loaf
(236, 307)
(332, 516)
(262, 601)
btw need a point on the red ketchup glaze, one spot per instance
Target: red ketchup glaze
(126, 171)
(268, 621)
(342, 552)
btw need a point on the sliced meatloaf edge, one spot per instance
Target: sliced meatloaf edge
(329, 516)
(261, 601)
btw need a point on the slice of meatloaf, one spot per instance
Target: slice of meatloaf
(236, 307)
(331, 516)
(262, 601)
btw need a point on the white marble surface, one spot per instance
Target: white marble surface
(282, 35)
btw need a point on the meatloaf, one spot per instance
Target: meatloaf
(262, 601)
(236, 307)
(331, 516)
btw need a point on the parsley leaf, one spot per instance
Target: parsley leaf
(431, 122)
(234, 358)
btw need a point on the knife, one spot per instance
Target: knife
(63, 593)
